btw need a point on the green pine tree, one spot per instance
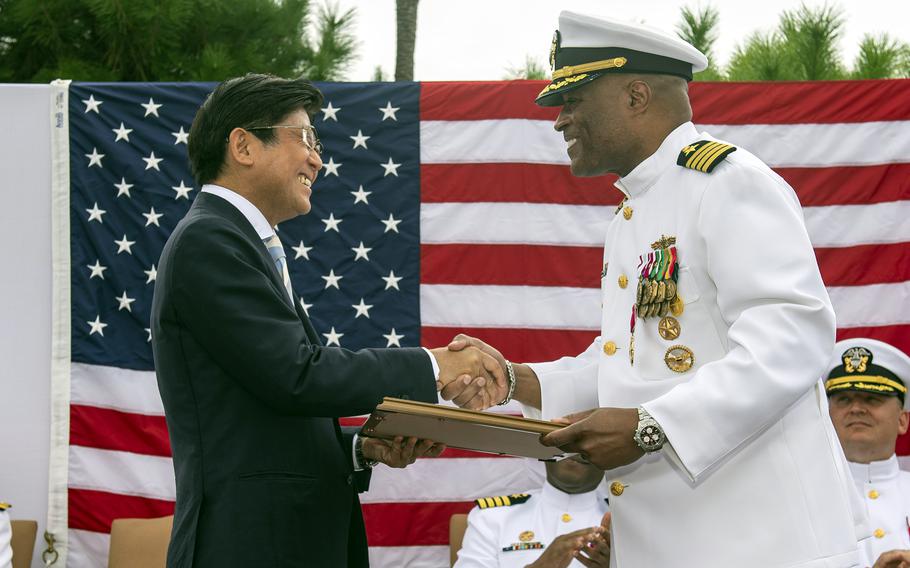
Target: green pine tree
(699, 28)
(169, 40)
(880, 57)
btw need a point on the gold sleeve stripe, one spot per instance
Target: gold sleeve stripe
(875, 379)
(695, 158)
(498, 501)
(710, 159)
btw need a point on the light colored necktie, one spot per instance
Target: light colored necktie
(276, 249)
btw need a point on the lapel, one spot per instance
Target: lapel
(210, 203)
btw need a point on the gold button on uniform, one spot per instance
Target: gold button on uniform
(627, 212)
(879, 533)
(609, 348)
(566, 517)
(623, 281)
(616, 488)
(873, 494)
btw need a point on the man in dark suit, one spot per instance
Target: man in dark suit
(265, 476)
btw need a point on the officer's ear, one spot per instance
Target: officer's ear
(639, 95)
(902, 422)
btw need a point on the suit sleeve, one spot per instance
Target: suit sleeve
(363, 476)
(781, 322)
(226, 302)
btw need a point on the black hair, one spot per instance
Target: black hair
(246, 102)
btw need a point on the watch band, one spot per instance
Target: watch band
(358, 454)
(511, 372)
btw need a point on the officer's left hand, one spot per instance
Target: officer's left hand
(602, 436)
(400, 452)
(597, 553)
(893, 559)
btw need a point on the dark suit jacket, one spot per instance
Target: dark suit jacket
(264, 476)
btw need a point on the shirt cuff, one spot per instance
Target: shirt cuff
(354, 460)
(434, 363)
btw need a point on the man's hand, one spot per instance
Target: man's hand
(470, 378)
(565, 547)
(894, 559)
(597, 553)
(461, 391)
(400, 452)
(602, 436)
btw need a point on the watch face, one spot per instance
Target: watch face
(650, 435)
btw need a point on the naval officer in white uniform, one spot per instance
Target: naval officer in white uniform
(867, 396)
(543, 528)
(701, 398)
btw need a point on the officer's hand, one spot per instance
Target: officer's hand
(400, 452)
(470, 377)
(602, 436)
(597, 553)
(893, 559)
(566, 547)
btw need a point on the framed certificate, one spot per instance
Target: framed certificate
(461, 428)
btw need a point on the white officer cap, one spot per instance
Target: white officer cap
(585, 47)
(867, 365)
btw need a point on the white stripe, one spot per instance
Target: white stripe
(539, 307)
(514, 223)
(872, 305)
(454, 479)
(87, 549)
(409, 556)
(841, 144)
(851, 225)
(118, 389)
(491, 141)
(122, 472)
(586, 225)
(779, 145)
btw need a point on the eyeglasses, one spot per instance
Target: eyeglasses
(307, 134)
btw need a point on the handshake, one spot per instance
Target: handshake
(472, 374)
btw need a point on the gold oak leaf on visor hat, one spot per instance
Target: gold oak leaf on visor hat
(867, 365)
(585, 48)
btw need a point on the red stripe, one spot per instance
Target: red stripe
(107, 429)
(521, 183)
(896, 335)
(849, 185)
(800, 102)
(511, 265)
(525, 345)
(482, 100)
(410, 524)
(756, 103)
(528, 183)
(95, 510)
(865, 264)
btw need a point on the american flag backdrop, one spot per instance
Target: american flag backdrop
(442, 207)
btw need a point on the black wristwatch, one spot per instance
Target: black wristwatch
(358, 453)
(649, 435)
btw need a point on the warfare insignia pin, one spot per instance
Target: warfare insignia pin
(679, 358)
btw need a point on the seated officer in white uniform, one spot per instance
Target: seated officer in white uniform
(6, 552)
(544, 528)
(867, 396)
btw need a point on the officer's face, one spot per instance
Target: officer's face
(595, 122)
(867, 424)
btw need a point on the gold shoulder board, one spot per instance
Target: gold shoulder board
(502, 500)
(704, 155)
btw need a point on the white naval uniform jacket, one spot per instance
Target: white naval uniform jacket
(753, 475)
(547, 514)
(885, 491)
(6, 535)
